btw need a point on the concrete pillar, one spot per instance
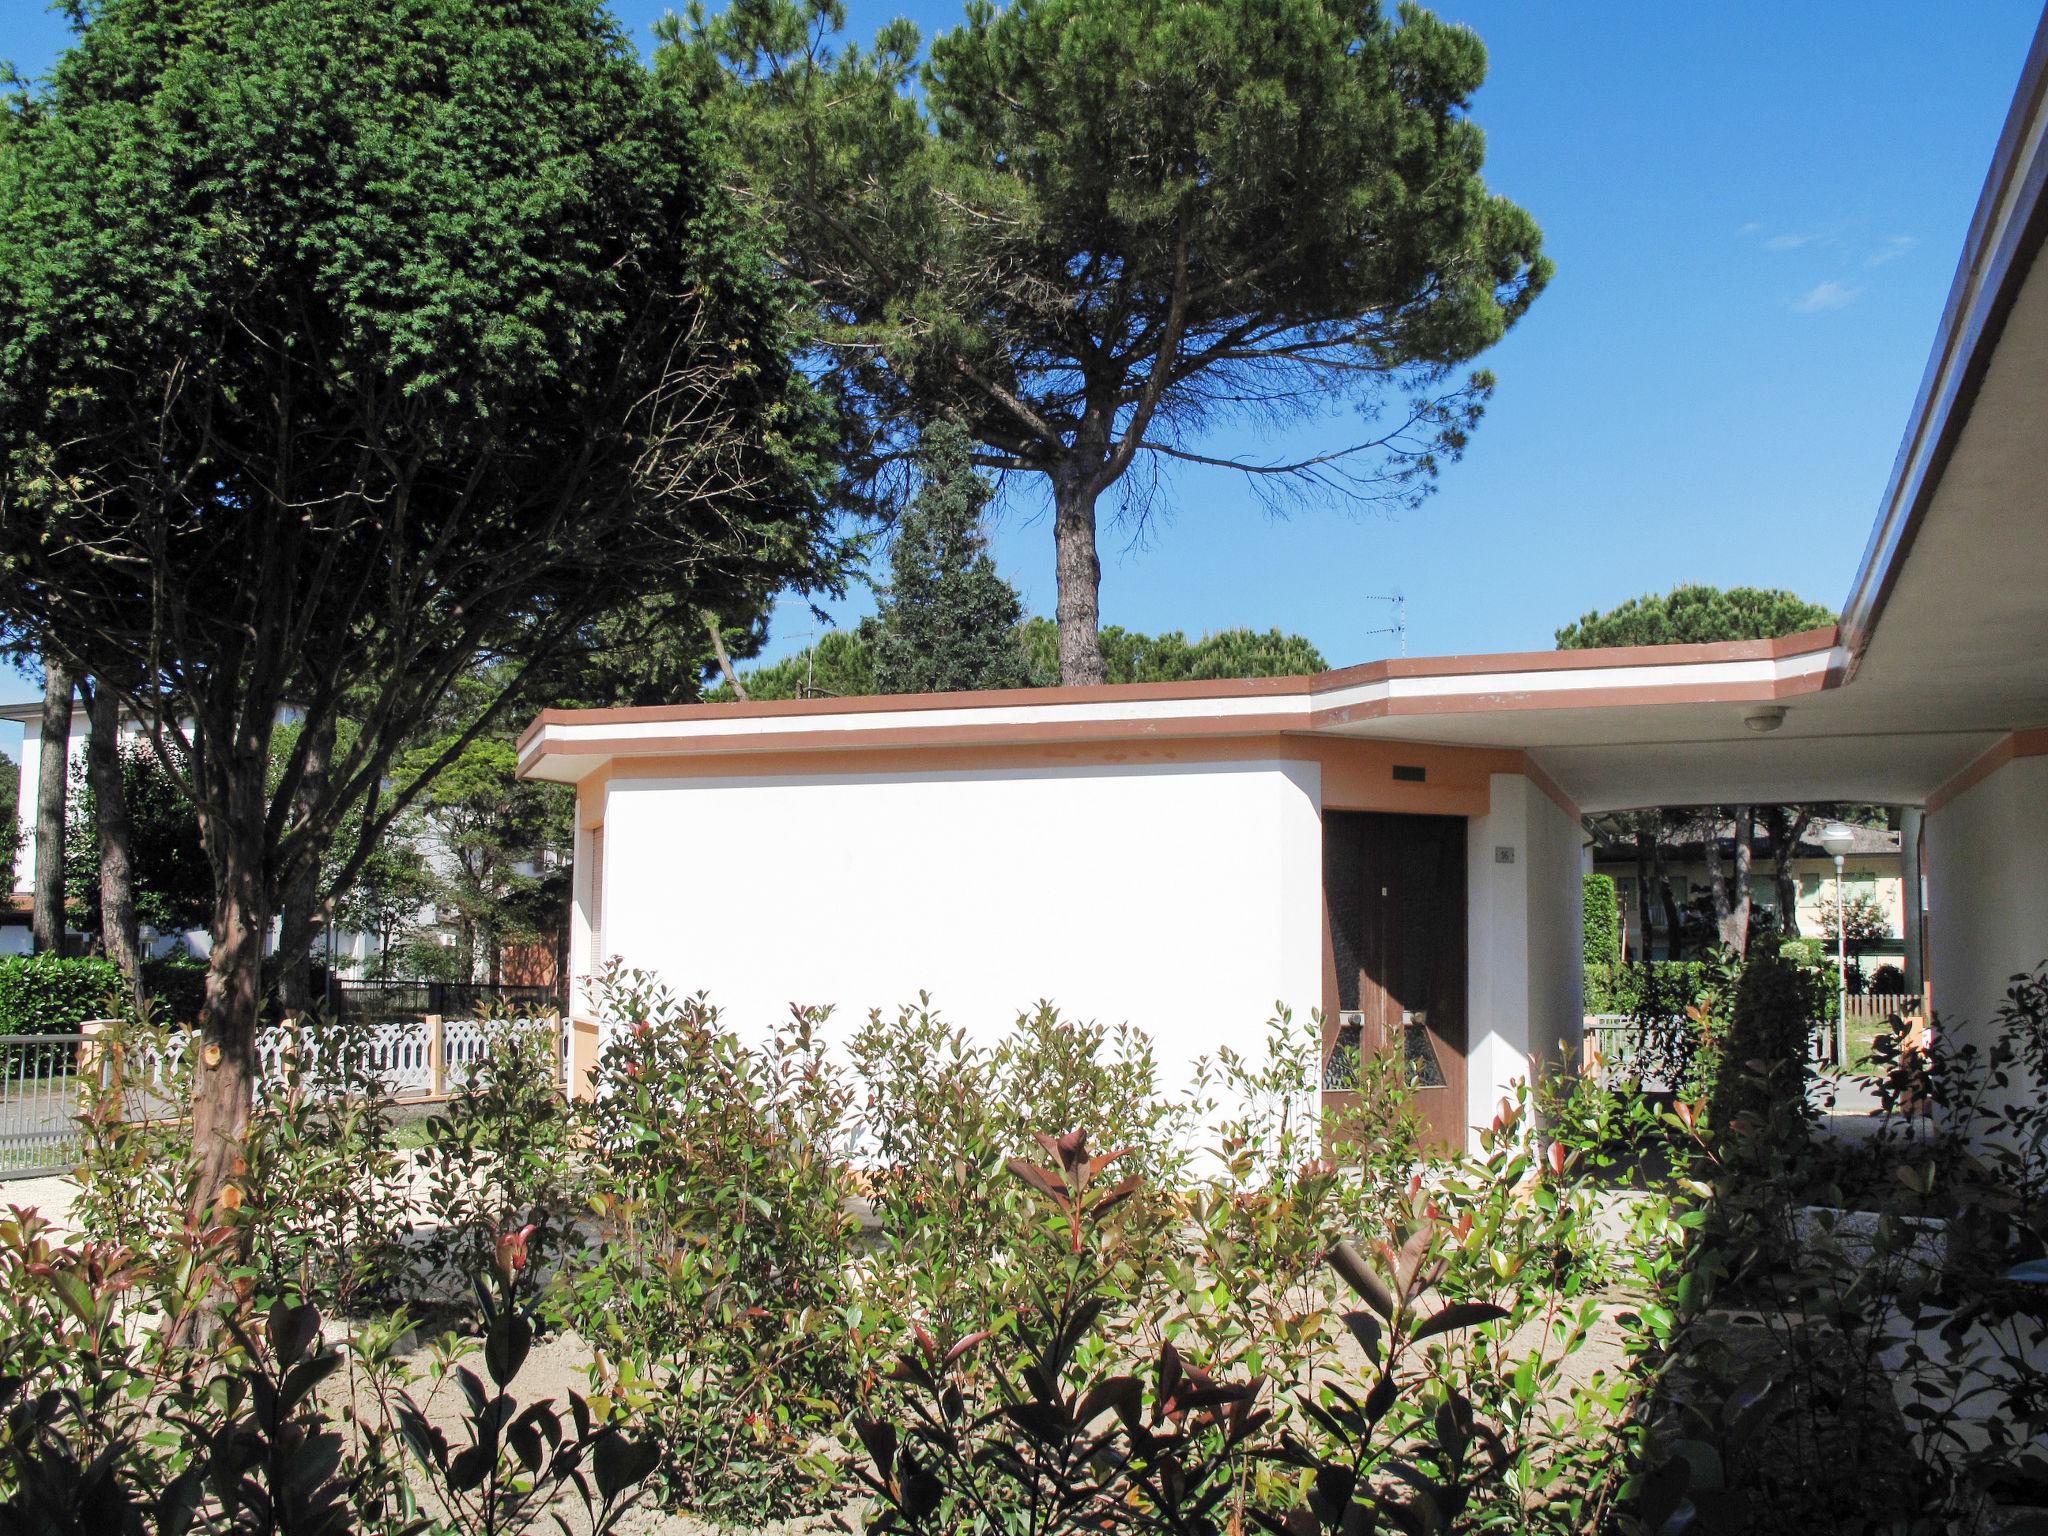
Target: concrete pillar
(1912, 901)
(1526, 910)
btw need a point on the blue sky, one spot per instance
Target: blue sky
(1755, 211)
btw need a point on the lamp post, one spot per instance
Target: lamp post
(1838, 840)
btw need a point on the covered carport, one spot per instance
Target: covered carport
(1933, 692)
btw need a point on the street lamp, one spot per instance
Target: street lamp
(1838, 839)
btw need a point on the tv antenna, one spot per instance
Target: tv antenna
(1399, 628)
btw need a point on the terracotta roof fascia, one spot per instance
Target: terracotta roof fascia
(1304, 688)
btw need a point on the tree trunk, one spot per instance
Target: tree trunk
(53, 789)
(1786, 825)
(1717, 876)
(1674, 926)
(1735, 929)
(725, 668)
(225, 1077)
(299, 902)
(1079, 570)
(1642, 895)
(120, 935)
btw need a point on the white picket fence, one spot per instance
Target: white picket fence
(418, 1059)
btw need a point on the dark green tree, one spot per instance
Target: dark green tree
(947, 620)
(497, 837)
(1093, 232)
(1693, 615)
(173, 886)
(10, 825)
(343, 342)
(839, 665)
(1130, 656)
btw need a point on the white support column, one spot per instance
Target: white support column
(1525, 915)
(1987, 895)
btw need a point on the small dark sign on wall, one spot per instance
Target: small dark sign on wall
(1410, 773)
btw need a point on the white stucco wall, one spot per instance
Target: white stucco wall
(1525, 957)
(1184, 899)
(1987, 891)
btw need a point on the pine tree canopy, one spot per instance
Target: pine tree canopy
(1094, 232)
(1696, 614)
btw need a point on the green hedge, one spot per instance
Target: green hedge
(1603, 923)
(53, 994)
(179, 986)
(1665, 989)
(1661, 989)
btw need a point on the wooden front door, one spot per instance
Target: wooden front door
(1394, 896)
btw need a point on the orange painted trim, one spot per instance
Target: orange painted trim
(1705, 653)
(1222, 688)
(2032, 742)
(1189, 726)
(590, 795)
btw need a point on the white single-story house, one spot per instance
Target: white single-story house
(1397, 844)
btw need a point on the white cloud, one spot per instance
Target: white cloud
(1751, 228)
(1787, 242)
(1892, 249)
(1824, 297)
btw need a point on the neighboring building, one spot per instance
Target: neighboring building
(15, 937)
(1871, 872)
(347, 949)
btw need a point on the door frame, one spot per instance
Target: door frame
(1356, 851)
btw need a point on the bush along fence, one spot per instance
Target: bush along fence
(796, 1276)
(141, 1072)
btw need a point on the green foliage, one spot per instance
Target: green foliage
(349, 342)
(500, 1157)
(173, 885)
(1602, 932)
(840, 665)
(947, 619)
(1757, 1037)
(54, 994)
(1692, 615)
(10, 826)
(1088, 233)
(519, 1463)
(723, 1243)
(327, 1196)
(132, 1160)
(1655, 989)
(1863, 922)
(493, 833)
(121, 1416)
(178, 984)
(1132, 657)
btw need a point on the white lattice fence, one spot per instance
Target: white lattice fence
(407, 1059)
